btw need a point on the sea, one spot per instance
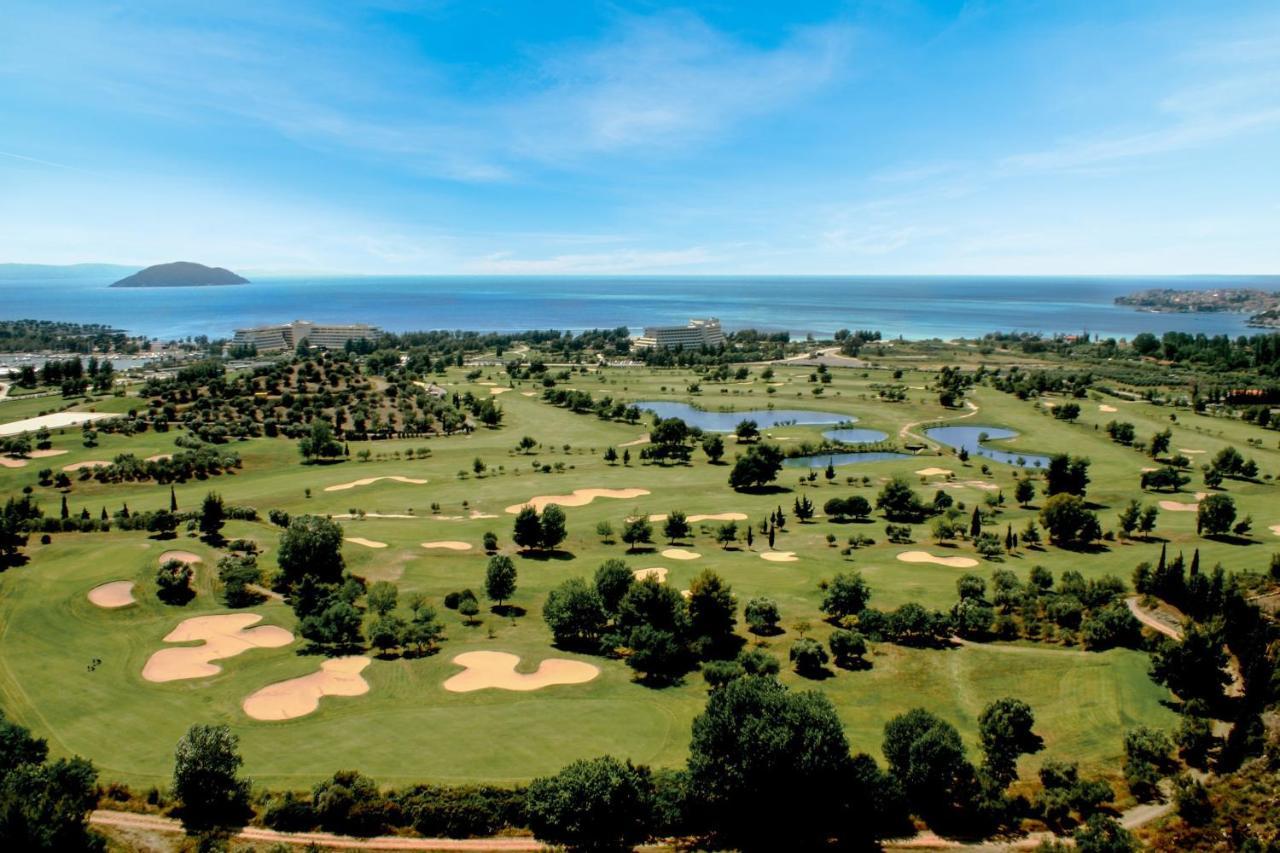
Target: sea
(913, 307)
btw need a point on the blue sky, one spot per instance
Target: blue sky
(637, 137)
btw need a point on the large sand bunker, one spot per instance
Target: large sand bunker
(1105, 408)
(644, 439)
(1179, 506)
(926, 557)
(680, 554)
(580, 497)
(1275, 528)
(113, 594)
(300, 696)
(223, 637)
(496, 391)
(694, 519)
(181, 556)
(1190, 450)
(23, 462)
(369, 481)
(54, 421)
(934, 472)
(448, 545)
(498, 669)
(657, 572)
(779, 556)
(368, 543)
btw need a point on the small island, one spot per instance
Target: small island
(181, 274)
(1262, 306)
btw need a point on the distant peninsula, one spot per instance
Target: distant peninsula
(181, 274)
(1262, 306)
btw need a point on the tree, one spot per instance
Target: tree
(1147, 523)
(747, 431)
(1024, 492)
(311, 545)
(727, 533)
(612, 580)
(1068, 521)
(1195, 667)
(1146, 758)
(576, 615)
(500, 578)
(44, 805)
(804, 508)
(237, 575)
(605, 531)
(1215, 515)
(319, 442)
(1104, 834)
(552, 528)
(1005, 731)
(759, 751)
(713, 446)
(490, 541)
(387, 632)
(846, 595)
(848, 648)
(597, 804)
(676, 526)
(1129, 518)
(926, 756)
(762, 616)
(971, 586)
(469, 608)
(1159, 444)
(610, 456)
(173, 582)
(382, 597)
(162, 523)
(1066, 475)
(899, 502)
(527, 528)
(756, 468)
(206, 779)
(808, 656)
(637, 531)
(712, 610)
(212, 516)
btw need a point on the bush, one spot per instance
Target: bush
(809, 657)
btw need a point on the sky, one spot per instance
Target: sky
(483, 137)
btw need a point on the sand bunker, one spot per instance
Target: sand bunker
(528, 393)
(486, 382)
(376, 515)
(656, 572)
(694, 519)
(160, 457)
(298, 697)
(1106, 408)
(223, 637)
(926, 557)
(496, 391)
(580, 497)
(88, 463)
(1189, 450)
(54, 421)
(448, 545)
(644, 439)
(1275, 528)
(779, 556)
(498, 669)
(475, 515)
(368, 481)
(20, 462)
(1178, 506)
(680, 554)
(113, 594)
(181, 556)
(368, 543)
(934, 472)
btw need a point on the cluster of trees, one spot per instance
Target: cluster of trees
(658, 632)
(59, 336)
(195, 463)
(756, 468)
(539, 532)
(44, 805)
(1258, 355)
(582, 403)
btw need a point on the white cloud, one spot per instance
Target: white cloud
(601, 263)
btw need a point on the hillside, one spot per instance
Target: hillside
(181, 274)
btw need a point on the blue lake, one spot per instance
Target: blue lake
(970, 438)
(728, 421)
(821, 460)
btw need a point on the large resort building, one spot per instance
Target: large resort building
(288, 335)
(695, 335)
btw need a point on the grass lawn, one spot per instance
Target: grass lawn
(407, 728)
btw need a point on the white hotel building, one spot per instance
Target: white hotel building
(287, 335)
(695, 335)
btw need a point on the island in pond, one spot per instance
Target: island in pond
(181, 274)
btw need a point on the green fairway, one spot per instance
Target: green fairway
(408, 728)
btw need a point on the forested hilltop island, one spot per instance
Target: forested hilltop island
(181, 274)
(1263, 306)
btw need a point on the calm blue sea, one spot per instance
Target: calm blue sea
(914, 307)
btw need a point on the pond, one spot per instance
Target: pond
(970, 438)
(821, 460)
(728, 421)
(856, 435)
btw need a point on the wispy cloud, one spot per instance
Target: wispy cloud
(621, 261)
